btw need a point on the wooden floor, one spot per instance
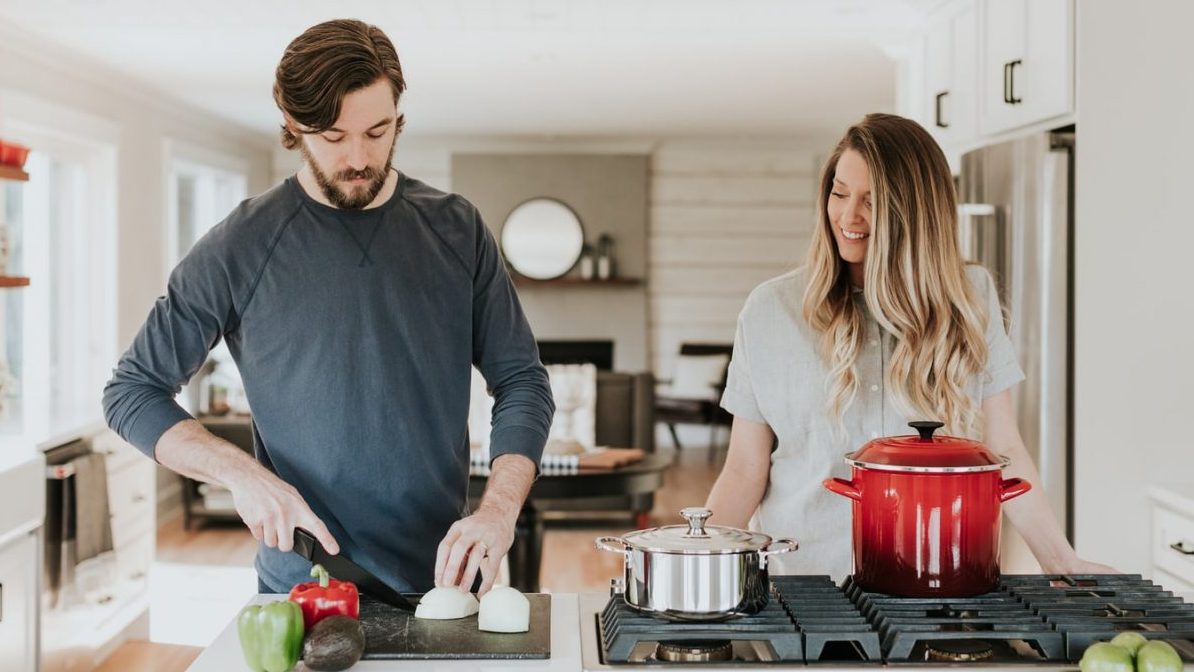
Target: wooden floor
(571, 564)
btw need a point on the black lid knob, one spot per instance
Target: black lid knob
(926, 428)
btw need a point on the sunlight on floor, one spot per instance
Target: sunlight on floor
(192, 604)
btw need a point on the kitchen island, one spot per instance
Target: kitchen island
(574, 647)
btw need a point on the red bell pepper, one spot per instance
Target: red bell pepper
(325, 597)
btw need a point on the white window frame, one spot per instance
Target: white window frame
(181, 156)
(90, 142)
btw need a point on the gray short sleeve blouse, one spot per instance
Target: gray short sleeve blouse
(776, 377)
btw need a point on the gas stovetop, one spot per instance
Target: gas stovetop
(1030, 619)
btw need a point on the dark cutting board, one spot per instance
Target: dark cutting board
(391, 633)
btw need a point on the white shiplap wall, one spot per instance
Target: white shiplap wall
(724, 218)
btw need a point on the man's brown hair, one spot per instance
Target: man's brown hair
(327, 62)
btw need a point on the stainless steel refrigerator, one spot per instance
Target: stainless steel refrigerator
(1016, 218)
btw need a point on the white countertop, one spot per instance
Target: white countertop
(224, 653)
(1179, 496)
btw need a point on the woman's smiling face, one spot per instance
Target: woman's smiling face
(849, 207)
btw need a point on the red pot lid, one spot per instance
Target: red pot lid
(925, 452)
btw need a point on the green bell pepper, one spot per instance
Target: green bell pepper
(271, 636)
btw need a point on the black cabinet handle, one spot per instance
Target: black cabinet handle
(1011, 83)
(1007, 82)
(939, 122)
(1180, 547)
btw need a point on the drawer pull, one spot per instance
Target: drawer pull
(138, 498)
(137, 576)
(1181, 547)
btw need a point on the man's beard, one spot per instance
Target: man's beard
(359, 197)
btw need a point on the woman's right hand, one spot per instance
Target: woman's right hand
(272, 508)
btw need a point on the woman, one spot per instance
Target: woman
(886, 323)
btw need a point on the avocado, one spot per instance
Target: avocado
(333, 644)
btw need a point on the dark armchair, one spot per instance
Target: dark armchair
(705, 410)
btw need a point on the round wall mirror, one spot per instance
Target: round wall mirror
(542, 239)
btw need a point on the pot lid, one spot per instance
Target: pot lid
(925, 452)
(695, 537)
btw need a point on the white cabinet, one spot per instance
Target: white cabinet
(951, 69)
(18, 603)
(1027, 62)
(112, 591)
(1173, 536)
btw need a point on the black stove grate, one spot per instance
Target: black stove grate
(622, 628)
(909, 625)
(1095, 607)
(828, 621)
(1031, 618)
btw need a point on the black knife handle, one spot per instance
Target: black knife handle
(305, 543)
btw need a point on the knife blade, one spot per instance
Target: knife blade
(344, 569)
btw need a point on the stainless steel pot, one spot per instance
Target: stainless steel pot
(696, 573)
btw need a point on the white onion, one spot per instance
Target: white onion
(504, 609)
(446, 603)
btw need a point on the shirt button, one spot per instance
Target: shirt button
(874, 388)
(874, 435)
(874, 342)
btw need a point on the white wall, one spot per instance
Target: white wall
(725, 216)
(1134, 237)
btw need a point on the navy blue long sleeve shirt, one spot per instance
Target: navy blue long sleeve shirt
(354, 332)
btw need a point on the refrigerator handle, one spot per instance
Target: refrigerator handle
(966, 214)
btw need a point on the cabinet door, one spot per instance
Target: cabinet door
(911, 85)
(1027, 62)
(951, 69)
(18, 604)
(1048, 73)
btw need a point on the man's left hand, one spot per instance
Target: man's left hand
(478, 542)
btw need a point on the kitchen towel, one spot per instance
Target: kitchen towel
(94, 525)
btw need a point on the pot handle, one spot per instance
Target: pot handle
(785, 546)
(1013, 487)
(603, 544)
(842, 487)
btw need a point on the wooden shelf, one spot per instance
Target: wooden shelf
(13, 281)
(13, 173)
(577, 282)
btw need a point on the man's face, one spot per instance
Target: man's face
(351, 160)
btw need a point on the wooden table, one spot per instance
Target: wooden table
(526, 554)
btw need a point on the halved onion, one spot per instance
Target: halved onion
(504, 609)
(446, 603)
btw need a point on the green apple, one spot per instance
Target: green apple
(1106, 657)
(1158, 656)
(1132, 641)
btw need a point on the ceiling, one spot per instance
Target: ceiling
(544, 68)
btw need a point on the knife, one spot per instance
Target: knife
(344, 569)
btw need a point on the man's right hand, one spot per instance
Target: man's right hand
(272, 508)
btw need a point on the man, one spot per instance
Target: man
(354, 300)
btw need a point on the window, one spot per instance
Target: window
(201, 193)
(60, 330)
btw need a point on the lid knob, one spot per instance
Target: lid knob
(696, 517)
(926, 428)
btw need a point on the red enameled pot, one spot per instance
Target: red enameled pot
(927, 514)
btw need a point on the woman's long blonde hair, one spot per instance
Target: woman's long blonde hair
(915, 280)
